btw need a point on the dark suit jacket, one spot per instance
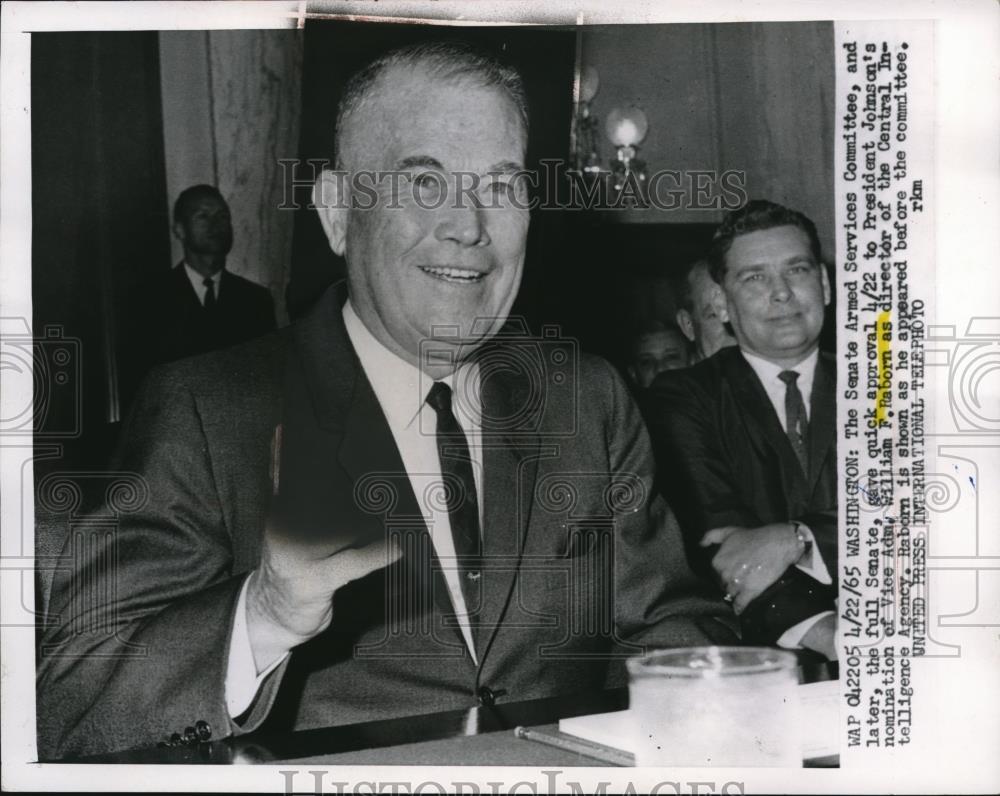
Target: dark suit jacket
(179, 327)
(724, 459)
(583, 560)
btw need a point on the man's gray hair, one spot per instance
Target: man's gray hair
(444, 60)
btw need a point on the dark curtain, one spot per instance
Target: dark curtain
(99, 226)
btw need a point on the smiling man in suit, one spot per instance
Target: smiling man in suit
(745, 439)
(400, 505)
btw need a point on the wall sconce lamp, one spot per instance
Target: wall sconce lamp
(626, 128)
(586, 155)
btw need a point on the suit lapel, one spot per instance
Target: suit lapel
(822, 418)
(351, 434)
(185, 289)
(510, 465)
(761, 420)
(340, 424)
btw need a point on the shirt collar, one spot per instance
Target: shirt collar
(768, 372)
(400, 386)
(198, 281)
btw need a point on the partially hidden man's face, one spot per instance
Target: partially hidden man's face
(702, 324)
(422, 263)
(775, 293)
(656, 352)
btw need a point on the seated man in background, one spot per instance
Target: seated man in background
(698, 316)
(656, 348)
(376, 512)
(745, 440)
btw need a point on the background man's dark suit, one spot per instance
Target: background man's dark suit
(180, 327)
(724, 459)
(550, 499)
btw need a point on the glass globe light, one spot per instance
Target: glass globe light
(626, 127)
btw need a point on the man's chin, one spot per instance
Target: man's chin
(440, 350)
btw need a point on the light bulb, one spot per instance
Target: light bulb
(626, 127)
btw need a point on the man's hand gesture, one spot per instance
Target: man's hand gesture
(290, 597)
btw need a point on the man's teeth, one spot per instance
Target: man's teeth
(458, 274)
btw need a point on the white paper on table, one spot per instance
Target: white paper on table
(820, 708)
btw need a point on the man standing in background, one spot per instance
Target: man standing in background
(200, 306)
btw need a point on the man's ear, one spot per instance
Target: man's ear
(825, 278)
(718, 299)
(178, 229)
(684, 320)
(329, 195)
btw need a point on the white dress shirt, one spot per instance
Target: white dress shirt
(401, 389)
(198, 283)
(769, 375)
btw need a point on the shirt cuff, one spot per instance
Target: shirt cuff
(812, 561)
(791, 639)
(242, 679)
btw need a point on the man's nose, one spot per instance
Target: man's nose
(780, 289)
(463, 223)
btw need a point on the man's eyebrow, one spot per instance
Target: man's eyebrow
(424, 161)
(505, 166)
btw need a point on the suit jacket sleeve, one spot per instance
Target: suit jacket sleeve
(140, 640)
(659, 601)
(696, 475)
(693, 473)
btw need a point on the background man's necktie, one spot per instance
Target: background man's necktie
(796, 420)
(209, 284)
(460, 489)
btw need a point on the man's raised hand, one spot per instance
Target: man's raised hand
(290, 596)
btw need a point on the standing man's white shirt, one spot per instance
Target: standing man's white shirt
(400, 388)
(198, 283)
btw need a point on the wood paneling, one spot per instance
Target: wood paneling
(775, 88)
(232, 101)
(753, 97)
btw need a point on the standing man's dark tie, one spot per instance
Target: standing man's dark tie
(209, 284)
(796, 420)
(460, 491)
